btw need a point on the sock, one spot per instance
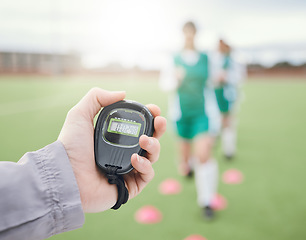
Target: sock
(206, 179)
(228, 139)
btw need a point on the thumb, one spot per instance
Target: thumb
(97, 98)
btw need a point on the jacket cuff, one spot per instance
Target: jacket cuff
(65, 196)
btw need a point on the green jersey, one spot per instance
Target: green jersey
(191, 90)
(226, 94)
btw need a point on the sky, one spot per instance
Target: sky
(138, 32)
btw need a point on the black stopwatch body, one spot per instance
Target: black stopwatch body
(117, 132)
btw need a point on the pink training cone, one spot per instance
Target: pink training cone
(232, 176)
(170, 186)
(148, 215)
(219, 202)
(195, 237)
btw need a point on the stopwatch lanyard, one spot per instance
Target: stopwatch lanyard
(113, 178)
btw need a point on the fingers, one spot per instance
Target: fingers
(152, 146)
(143, 166)
(160, 123)
(160, 126)
(95, 99)
(155, 110)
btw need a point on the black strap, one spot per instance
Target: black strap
(113, 178)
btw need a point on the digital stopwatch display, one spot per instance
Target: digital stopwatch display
(124, 127)
(117, 134)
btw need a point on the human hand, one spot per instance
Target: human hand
(221, 78)
(180, 73)
(77, 136)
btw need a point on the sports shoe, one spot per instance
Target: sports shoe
(190, 174)
(208, 213)
(229, 157)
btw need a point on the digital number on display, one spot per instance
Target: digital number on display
(124, 127)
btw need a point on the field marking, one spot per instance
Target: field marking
(12, 108)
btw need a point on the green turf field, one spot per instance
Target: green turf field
(269, 204)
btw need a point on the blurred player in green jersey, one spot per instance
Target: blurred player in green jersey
(195, 115)
(228, 74)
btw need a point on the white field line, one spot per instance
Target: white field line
(12, 108)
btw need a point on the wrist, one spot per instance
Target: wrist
(97, 196)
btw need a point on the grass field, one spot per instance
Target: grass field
(269, 204)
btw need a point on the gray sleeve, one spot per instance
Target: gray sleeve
(39, 196)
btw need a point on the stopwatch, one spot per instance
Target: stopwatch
(117, 132)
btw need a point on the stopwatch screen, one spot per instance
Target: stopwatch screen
(124, 127)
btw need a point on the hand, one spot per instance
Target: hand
(180, 73)
(221, 78)
(77, 136)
